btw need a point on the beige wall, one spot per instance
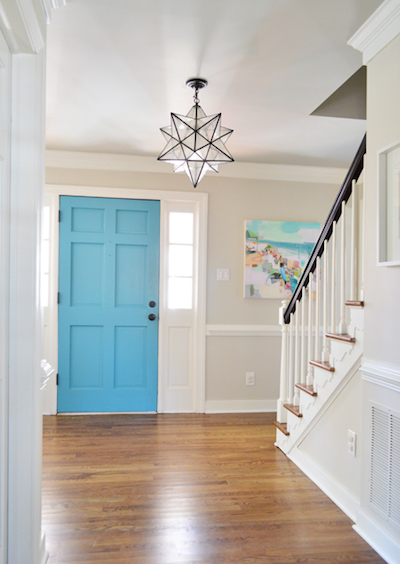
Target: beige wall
(231, 201)
(382, 284)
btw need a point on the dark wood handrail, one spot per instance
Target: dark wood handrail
(336, 211)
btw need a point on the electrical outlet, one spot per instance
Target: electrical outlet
(250, 378)
(351, 442)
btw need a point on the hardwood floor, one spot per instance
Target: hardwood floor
(184, 489)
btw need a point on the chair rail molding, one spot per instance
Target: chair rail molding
(243, 331)
(378, 30)
(381, 374)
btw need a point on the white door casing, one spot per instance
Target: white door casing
(181, 369)
(5, 121)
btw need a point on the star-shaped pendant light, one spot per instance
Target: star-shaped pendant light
(196, 142)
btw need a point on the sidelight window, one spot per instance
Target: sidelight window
(180, 260)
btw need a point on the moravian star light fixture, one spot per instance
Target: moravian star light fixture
(196, 142)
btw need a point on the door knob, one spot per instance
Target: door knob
(152, 304)
(152, 317)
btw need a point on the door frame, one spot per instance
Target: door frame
(169, 201)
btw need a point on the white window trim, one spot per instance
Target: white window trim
(199, 201)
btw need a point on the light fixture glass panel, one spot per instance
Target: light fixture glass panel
(180, 293)
(181, 228)
(180, 260)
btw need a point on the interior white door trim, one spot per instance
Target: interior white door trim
(169, 400)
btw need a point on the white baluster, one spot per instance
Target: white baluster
(333, 279)
(310, 372)
(317, 310)
(325, 346)
(283, 395)
(342, 302)
(354, 244)
(291, 355)
(303, 337)
(296, 398)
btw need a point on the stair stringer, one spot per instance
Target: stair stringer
(346, 359)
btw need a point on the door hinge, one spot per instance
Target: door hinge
(58, 297)
(59, 216)
(57, 380)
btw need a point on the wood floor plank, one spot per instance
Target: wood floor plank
(184, 489)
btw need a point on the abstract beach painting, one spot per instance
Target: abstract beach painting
(276, 254)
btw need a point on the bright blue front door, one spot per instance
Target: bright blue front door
(108, 307)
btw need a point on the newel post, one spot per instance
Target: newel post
(281, 412)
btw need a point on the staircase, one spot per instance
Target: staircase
(322, 325)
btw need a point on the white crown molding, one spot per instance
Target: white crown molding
(136, 163)
(243, 331)
(381, 373)
(240, 406)
(21, 27)
(50, 5)
(378, 30)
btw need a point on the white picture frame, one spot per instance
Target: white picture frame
(389, 205)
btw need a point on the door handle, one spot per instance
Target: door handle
(152, 317)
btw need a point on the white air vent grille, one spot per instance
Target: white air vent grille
(385, 462)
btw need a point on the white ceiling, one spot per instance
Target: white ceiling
(117, 68)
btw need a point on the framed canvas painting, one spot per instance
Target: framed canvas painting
(276, 253)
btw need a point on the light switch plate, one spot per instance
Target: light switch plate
(223, 274)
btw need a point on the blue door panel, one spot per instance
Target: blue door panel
(109, 272)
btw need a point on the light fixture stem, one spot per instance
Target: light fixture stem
(196, 97)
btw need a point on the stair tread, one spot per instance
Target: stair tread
(322, 364)
(295, 409)
(282, 427)
(340, 337)
(308, 389)
(354, 303)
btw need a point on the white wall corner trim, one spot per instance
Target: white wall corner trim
(343, 499)
(240, 406)
(378, 30)
(377, 538)
(137, 163)
(381, 373)
(243, 331)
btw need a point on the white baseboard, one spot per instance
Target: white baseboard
(343, 499)
(240, 406)
(377, 538)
